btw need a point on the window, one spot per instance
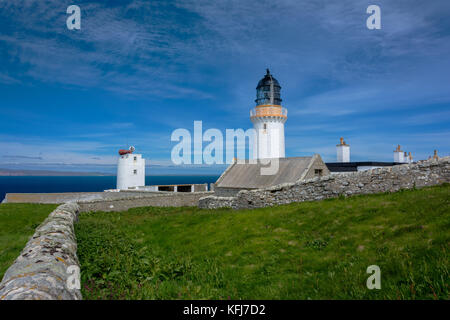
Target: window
(135, 171)
(265, 127)
(318, 172)
(135, 158)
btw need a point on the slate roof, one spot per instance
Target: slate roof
(248, 176)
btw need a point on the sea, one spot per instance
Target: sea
(42, 184)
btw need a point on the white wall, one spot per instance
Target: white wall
(398, 156)
(364, 168)
(343, 153)
(126, 176)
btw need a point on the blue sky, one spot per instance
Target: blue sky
(137, 70)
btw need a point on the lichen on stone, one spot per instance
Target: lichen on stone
(40, 271)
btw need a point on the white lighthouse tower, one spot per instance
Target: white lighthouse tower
(130, 170)
(268, 119)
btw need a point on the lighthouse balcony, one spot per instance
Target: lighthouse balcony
(268, 111)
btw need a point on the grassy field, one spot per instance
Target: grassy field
(315, 250)
(17, 224)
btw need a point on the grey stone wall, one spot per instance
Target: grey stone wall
(64, 197)
(40, 272)
(171, 199)
(389, 179)
(227, 192)
(215, 202)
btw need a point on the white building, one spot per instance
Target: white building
(343, 151)
(130, 170)
(268, 119)
(399, 155)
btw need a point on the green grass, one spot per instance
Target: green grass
(17, 223)
(314, 250)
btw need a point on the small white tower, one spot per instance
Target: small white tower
(268, 119)
(130, 170)
(343, 151)
(398, 155)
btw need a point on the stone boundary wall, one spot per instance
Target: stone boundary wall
(227, 192)
(64, 197)
(389, 179)
(172, 199)
(215, 202)
(40, 271)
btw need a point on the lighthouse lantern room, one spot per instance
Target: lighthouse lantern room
(268, 119)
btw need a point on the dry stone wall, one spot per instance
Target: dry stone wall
(41, 270)
(390, 179)
(171, 199)
(64, 197)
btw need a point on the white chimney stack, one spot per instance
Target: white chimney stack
(398, 155)
(343, 151)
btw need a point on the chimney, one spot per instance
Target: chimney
(398, 155)
(343, 151)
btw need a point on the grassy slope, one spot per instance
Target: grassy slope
(17, 224)
(317, 250)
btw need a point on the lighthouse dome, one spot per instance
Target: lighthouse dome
(268, 91)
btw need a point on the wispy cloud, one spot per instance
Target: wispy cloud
(21, 157)
(5, 79)
(141, 50)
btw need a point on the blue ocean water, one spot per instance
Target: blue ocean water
(37, 184)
